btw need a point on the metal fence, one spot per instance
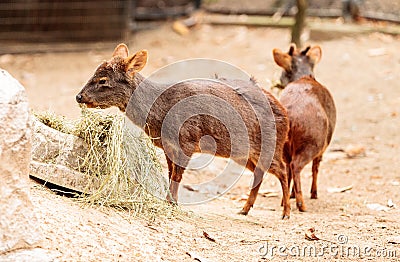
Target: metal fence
(69, 25)
(60, 20)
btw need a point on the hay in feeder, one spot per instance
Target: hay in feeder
(56, 122)
(122, 163)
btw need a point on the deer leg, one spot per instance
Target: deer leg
(258, 177)
(278, 168)
(293, 193)
(285, 198)
(170, 166)
(287, 156)
(175, 179)
(177, 161)
(315, 166)
(280, 173)
(297, 165)
(170, 171)
(290, 178)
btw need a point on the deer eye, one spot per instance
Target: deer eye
(102, 80)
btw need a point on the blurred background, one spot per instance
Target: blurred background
(53, 47)
(24, 22)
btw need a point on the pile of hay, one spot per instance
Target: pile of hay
(121, 161)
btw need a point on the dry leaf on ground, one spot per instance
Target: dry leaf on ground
(268, 193)
(390, 203)
(309, 235)
(180, 28)
(377, 52)
(339, 189)
(355, 151)
(378, 207)
(394, 240)
(207, 236)
(190, 188)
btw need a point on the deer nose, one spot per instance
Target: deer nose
(79, 98)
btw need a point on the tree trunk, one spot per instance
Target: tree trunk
(300, 22)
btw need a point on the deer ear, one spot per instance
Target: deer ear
(314, 54)
(282, 59)
(292, 49)
(136, 62)
(121, 50)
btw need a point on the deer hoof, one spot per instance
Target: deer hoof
(314, 195)
(243, 212)
(301, 207)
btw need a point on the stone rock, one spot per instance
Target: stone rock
(31, 255)
(56, 158)
(52, 146)
(63, 176)
(18, 223)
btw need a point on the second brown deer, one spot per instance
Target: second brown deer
(312, 115)
(178, 116)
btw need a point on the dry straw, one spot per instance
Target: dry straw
(121, 161)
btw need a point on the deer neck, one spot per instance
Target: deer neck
(144, 93)
(301, 71)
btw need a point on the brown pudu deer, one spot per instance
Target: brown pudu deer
(176, 123)
(312, 115)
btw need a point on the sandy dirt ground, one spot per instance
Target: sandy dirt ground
(362, 72)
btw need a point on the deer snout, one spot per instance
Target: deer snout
(82, 99)
(79, 98)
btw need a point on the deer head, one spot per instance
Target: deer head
(114, 81)
(296, 63)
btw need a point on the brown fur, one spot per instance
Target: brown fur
(156, 108)
(312, 115)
